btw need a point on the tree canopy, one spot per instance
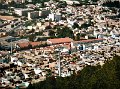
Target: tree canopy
(65, 32)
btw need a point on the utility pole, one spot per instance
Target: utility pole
(58, 58)
(59, 69)
(11, 47)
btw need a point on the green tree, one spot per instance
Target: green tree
(77, 37)
(51, 33)
(75, 25)
(65, 32)
(31, 37)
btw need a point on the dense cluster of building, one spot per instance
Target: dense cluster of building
(23, 62)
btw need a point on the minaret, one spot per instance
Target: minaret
(59, 65)
(11, 47)
(70, 50)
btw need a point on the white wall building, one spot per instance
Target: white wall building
(55, 17)
(14, 60)
(51, 16)
(22, 12)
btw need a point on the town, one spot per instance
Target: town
(54, 38)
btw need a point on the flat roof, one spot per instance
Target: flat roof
(60, 40)
(7, 17)
(23, 9)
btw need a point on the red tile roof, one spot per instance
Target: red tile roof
(23, 45)
(7, 17)
(90, 40)
(59, 40)
(27, 44)
(33, 44)
(66, 45)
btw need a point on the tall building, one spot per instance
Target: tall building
(51, 16)
(32, 15)
(55, 17)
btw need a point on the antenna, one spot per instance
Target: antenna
(11, 47)
(59, 65)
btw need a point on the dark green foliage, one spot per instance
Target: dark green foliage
(16, 5)
(62, 4)
(94, 0)
(3, 6)
(75, 25)
(51, 33)
(31, 37)
(87, 1)
(39, 1)
(63, 32)
(91, 77)
(85, 25)
(40, 33)
(83, 1)
(112, 4)
(29, 23)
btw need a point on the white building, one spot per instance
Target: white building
(51, 16)
(71, 2)
(55, 17)
(22, 12)
(14, 60)
(95, 33)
